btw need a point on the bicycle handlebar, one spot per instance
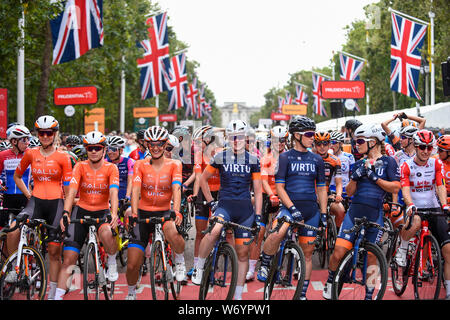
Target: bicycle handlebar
(360, 222)
(436, 212)
(89, 221)
(254, 231)
(157, 220)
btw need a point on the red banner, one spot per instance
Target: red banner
(3, 112)
(168, 117)
(75, 96)
(344, 89)
(279, 116)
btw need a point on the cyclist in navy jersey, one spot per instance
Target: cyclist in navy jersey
(19, 137)
(299, 173)
(371, 179)
(238, 170)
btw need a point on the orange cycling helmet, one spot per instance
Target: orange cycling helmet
(443, 142)
(322, 136)
(406, 123)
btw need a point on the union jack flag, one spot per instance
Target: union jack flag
(406, 42)
(288, 99)
(319, 107)
(77, 29)
(201, 102)
(350, 69)
(281, 103)
(302, 97)
(191, 98)
(176, 77)
(156, 57)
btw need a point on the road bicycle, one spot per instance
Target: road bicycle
(423, 263)
(94, 260)
(3, 235)
(162, 276)
(24, 274)
(325, 245)
(221, 266)
(362, 268)
(123, 235)
(288, 268)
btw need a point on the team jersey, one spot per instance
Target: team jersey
(49, 174)
(301, 172)
(94, 185)
(125, 167)
(447, 176)
(332, 168)
(8, 164)
(156, 186)
(200, 164)
(401, 156)
(422, 181)
(269, 166)
(137, 154)
(187, 160)
(347, 162)
(389, 149)
(236, 173)
(368, 192)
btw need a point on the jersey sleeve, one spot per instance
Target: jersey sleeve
(114, 181)
(177, 172)
(404, 175)
(130, 165)
(24, 163)
(338, 173)
(76, 176)
(256, 170)
(280, 176)
(439, 173)
(137, 175)
(66, 169)
(393, 171)
(320, 179)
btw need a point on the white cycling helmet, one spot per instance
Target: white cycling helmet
(116, 142)
(156, 133)
(5, 145)
(279, 132)
(236, 127)
(337, 136)
(46, 122)
(408, 131)
(18, 132)
(34, 142)
(370, 131)
(94, 137)
(174, 141)
(250, 132)
(203, 132)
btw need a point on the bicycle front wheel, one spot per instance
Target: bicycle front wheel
(158, 273)
(399, 275)
(363, 277)
(286, 274)
(30, 280)
(220, 274)
(428, 270)
(91, 288)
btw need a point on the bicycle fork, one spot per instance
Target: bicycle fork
(99, 270)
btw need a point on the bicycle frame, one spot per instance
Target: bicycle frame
(222, 238)
(158, 237)
(424, 231)
(93, 239)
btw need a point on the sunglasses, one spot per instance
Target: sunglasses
(404, 137)
(362, 141)
(238, 137)
(169, 148)
(442, 150)
(48, 133)
(94, 148)
(322, 143)
(333, 142)
(112, 149)
(308, 134)
(160, 144)
(24, 139)
(423, 148)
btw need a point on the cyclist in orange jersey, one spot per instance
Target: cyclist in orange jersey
(271, 203)
(51, 170)
(156, 181)
(333, 168)
(204, 149)
(97, 182)
(443, 144)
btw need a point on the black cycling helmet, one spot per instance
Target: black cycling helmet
(80, 152)
(352, 124)
(73, 140)
(301, 124)
(140, 134)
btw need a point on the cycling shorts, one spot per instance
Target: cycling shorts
(311, 215)
(78, 232)
(267, 210)
(439, 228)
(11, 201)
(48, 210)
(202, 211)
(240, 212)
(358, 210)
(142, 231)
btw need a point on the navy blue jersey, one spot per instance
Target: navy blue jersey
(368, 192)
(301, 172)
(125, 167)
(236, 174)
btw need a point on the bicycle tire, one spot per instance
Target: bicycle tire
(284, 287)
(432, 286)
(399, 275)
(344, 289)
(174, 289)
(216, 289)
(331, 235)
(37, 274)
(158, 276)
(90, 275)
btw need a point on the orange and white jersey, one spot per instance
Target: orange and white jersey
(94, 185)
(201, 162)
(269, 167)
(447, 176)
(156, 186)
(422, 181)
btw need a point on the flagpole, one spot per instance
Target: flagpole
(407, 16)
(432, 69)
(122, 99)
(353, 56)
(157, 107)
(321, 74)
(21, 73)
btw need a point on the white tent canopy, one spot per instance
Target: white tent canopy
(437, 116)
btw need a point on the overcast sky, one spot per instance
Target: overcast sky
(246, 47)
